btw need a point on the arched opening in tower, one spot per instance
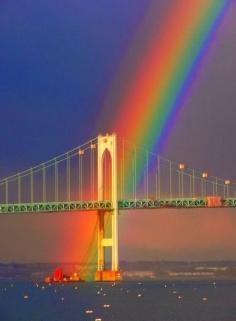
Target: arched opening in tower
(107, 195)
(107, 175)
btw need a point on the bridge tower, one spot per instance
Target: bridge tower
(107, 143)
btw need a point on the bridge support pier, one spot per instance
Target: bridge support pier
(108, 143)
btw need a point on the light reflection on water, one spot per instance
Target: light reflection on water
(126, 301)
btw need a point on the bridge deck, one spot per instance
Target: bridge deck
(55, 207)
(176, 203)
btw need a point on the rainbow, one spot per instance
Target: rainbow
(160, 82)
(161, 78)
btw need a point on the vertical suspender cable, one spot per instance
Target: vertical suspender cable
(147, 173)
(105, 176)
(159, 175)
(216, 186)
(109, 177)
(91, 171)
(56, 180)
(202, 193)
(133, 183)
(31, 186)
(68, 176)
(170, 176)
(135, 173)
(193, 181)
(123, 169)
(44, 183)
(6, 191)
(19, 188)
(190, 185)
(120, 177)
(81, 153)
(156, 194)
(92, 147)
(79, 178)
(179, 180)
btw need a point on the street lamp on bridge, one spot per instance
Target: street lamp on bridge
(203, 183)
(182, 167)
(227, 183)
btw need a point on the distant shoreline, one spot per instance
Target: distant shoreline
(140, 270)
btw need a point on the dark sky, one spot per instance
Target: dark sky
(57, 61)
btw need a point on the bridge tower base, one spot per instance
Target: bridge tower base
(108, 276)
(108, 144)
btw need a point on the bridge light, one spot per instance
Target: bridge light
(93, 146)
(227, 182)
(182, 166)
(81, 152)
(204, 175)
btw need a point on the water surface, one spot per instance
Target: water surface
(126, 301)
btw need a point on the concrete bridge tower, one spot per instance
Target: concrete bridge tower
(108, 144)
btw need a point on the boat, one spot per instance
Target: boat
(59, 277)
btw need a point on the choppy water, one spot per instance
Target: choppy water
(127, 301)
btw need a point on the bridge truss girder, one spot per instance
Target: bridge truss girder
(55, 207)
(141, 204)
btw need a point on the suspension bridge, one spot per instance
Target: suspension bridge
(108, 175)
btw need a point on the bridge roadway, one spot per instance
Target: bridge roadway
(176, 203)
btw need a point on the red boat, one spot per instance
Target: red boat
(59, 277)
